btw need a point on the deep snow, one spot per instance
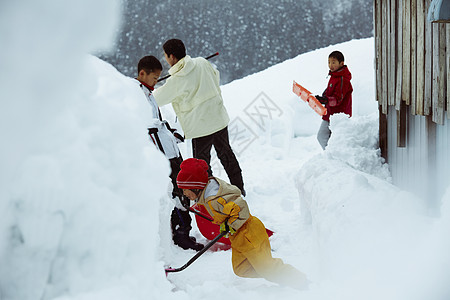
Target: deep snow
(84, 209)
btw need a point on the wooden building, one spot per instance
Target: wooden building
(412, 89)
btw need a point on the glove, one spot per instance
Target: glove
(180, 139)
(224, 227)
(322, 99)
(152, 131)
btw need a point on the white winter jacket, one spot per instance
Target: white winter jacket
(194, 91)
(160, 135)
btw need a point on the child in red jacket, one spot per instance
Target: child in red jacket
(337, 97)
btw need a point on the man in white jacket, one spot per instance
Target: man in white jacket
(165, 139)
(194, 91)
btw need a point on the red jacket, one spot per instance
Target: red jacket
(339, 93)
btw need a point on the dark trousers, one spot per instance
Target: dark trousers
(201, 148)
(180, 221)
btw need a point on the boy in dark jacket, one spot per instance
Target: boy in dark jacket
(166, 139)
(337, 97)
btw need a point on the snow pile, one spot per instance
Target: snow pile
(355, 142)
(370, 236)
(80, 184)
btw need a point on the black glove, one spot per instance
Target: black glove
(174, 132)
(152, 130)
(322, 99)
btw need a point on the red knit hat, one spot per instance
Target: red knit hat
(193, 174)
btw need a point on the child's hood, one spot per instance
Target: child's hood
(342, 72)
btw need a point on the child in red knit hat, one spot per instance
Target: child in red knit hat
(251, 252)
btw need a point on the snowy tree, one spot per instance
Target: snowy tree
(249, 35)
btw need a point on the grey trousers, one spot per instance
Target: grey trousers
(324, 133)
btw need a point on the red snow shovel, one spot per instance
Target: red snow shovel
(199, 253)
(208, 229)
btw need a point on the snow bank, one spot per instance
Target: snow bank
(80, 183)
(369, 235)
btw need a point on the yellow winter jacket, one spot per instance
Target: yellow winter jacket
(226, 204)
(251, 251)
(194, 91)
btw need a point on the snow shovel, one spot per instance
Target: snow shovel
(199, 253)
(208, 229)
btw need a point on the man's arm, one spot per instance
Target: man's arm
(165, 94)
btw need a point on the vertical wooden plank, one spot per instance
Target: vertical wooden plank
(442, 68)
(406, 67)
(420, 87)
(435, 83)
(413, 56)
(428, 63)
(438, 73)
(447, 72)
(399, 44)
(384, 56)
(378, 45)
(391, 51)
(388, 50)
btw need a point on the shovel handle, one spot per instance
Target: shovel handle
(200, 214)
(199, 253)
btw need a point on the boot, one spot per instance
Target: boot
(181, 225)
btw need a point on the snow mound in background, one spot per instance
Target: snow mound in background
(370, 235)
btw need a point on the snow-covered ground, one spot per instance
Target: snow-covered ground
(83, 199)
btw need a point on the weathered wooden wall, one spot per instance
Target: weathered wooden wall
(412, 89)
(412, 59)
